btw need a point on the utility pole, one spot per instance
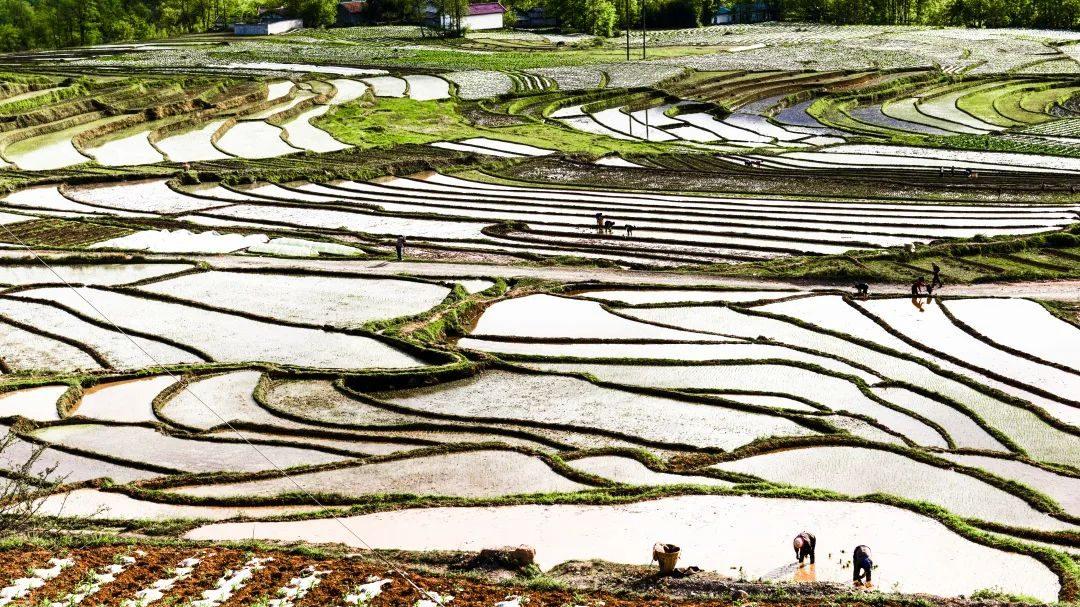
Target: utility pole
(626, 20)
(643, 7)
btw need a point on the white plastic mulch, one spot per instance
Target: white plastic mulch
(37, 578)
(182, 241)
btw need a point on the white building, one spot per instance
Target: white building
(486, 16)
(271, 21)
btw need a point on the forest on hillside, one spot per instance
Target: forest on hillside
(38, 24)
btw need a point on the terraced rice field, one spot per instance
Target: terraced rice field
(667, 230)
(621, 312)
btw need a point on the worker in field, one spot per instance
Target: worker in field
(599, 221)
(862, 290)
(918, 286)
(400, 247)
(629, 231)
(805, 543)
(862, 565)
(935, 280)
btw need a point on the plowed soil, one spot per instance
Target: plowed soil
(575, 584)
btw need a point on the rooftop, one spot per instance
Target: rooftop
(486, 8)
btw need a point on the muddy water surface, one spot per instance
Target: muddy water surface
(36, 403)
(722, 533)
(475, 474)
(123, 401)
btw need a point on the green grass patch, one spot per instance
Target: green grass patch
(392, 122)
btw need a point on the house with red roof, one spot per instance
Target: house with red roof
(350, 14)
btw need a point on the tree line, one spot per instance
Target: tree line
(37, 24)
(33, 24)
(1043, 14)
(603, 17)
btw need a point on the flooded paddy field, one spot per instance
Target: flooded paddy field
(473, 474)
(142, 444)
(322, 301)
(674, 387)
(228, 337)
(722, 533)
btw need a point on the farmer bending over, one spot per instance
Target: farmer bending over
(918, 286)
(862, 565)
(804, 544)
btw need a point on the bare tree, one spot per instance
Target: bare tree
(24, 485)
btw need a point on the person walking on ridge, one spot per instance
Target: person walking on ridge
(935, 280)
(805, 544)
(400, 247)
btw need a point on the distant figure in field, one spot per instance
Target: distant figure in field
(804, 544)
(918, 286)
(916, 290)
(609, 226)
(629, 231)
(599, 220)
(400, 247)
(935, 280)
(862, 289)
(862, 565)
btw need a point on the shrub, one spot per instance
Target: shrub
(600, 16)
(21, 494)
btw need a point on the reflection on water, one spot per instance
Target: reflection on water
(920, 304)
(805, 573)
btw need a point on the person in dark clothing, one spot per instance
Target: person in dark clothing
(599, 220)
(861, 564)
(629, 231)
(935, 280)
(400, 247)
(862, 289)
(609, 226)
(805, 544)
(917, 286)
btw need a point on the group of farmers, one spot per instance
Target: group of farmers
(862, 566)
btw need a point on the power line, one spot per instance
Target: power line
(187, 388)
